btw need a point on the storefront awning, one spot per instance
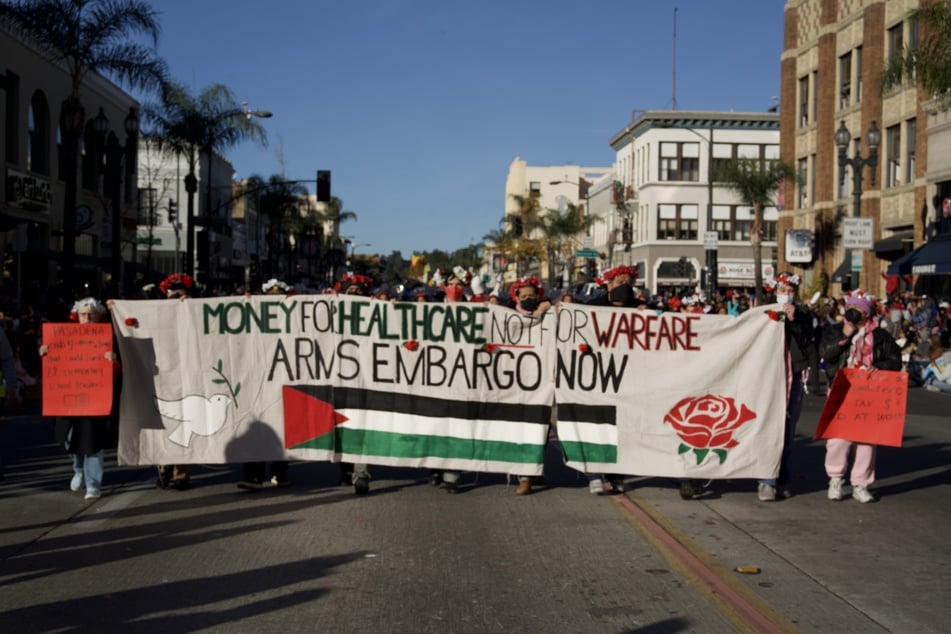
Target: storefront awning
(893, 247)
(931, 258)
(842, 271)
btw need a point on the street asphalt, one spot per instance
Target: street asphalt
(408, 557)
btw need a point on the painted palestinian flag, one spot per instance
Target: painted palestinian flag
(588, 436)
(390, 428)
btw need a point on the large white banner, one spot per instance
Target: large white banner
(463, 386)
(671, 394)
(449, 385)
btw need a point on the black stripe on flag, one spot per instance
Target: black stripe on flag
(356, 398)
(578, 413)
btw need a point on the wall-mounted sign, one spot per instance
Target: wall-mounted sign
(742, 270)
(858, 233)
(26, 191)
(799, 246)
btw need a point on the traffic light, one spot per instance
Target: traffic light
(323, 186)
(172, 210)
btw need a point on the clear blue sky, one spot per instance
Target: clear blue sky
(419, 106)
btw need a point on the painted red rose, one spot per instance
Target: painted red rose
(490, 347)
(411, 345)
(584, 348)
(775, 315)
(707, 423)
(132, 322)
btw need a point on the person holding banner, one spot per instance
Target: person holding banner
(857, 342)
(456, 282)
(85, 437)
(527, 296)
(254, 478)
(175, 286)
(619, 287)
(356, 474)
(798, 352)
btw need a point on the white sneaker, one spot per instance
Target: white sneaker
(862, 495)
(835, 489)
(77, 482)
(767, 492)
(596, 487)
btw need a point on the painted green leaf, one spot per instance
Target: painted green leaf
(219, 365)
(237, 388)
(682, 449)
(218, 381)
(721, 453)
(701, 454)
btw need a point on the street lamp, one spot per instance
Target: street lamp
(873, 138)
(113, 179)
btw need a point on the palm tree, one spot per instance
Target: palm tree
(87, 36)
(333, 248)
(192, 125)
(927, 64)
(522, 223)
(756, 183)
(560, 231)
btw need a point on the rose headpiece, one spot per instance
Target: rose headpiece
(176, 282)
(91, 303)
(534, 282)
(365, 282)
(790, 279)
(459, 272)
(274, 283)
(610, 274)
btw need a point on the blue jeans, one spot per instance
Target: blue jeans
(793, 410)
(941, 385)
(90, 465)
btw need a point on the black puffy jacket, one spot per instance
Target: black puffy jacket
(886, 355)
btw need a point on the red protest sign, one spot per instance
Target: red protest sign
(865, 408)
(77, 377)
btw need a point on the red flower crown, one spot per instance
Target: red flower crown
(610, 274)
(176, 281)
(789, 279)
(534, 282)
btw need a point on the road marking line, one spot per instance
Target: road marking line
(737, 602)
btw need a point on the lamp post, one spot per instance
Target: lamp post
(112, 180)
(873, 138)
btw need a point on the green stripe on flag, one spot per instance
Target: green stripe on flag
(589, 452)
(400, 445)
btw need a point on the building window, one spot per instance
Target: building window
(894, 41)
(858, 74)
(814, 96)
(677, 222)
(893, 156)
(723, 153)
(845, 80)
(911, 134)
(802, 166)
(812, 179)
(723, 221)
(803, 101)
(679, 161)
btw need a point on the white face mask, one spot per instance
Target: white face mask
(784, 299)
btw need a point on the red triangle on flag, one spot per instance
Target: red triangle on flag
(307, 417)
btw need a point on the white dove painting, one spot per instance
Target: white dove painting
(198, 415)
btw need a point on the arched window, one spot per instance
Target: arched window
(38, 137)
(87, 150)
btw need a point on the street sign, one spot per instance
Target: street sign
(586, 253)
(710, 240)
(856, 260)
(858, 233)
(798, 246)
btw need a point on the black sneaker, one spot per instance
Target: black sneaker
(251, 485)
(688, 491)
(361, 485)
(452, 487)
(435, 479)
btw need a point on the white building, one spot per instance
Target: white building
(161, 183)
(666, 201)
(553, 187)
